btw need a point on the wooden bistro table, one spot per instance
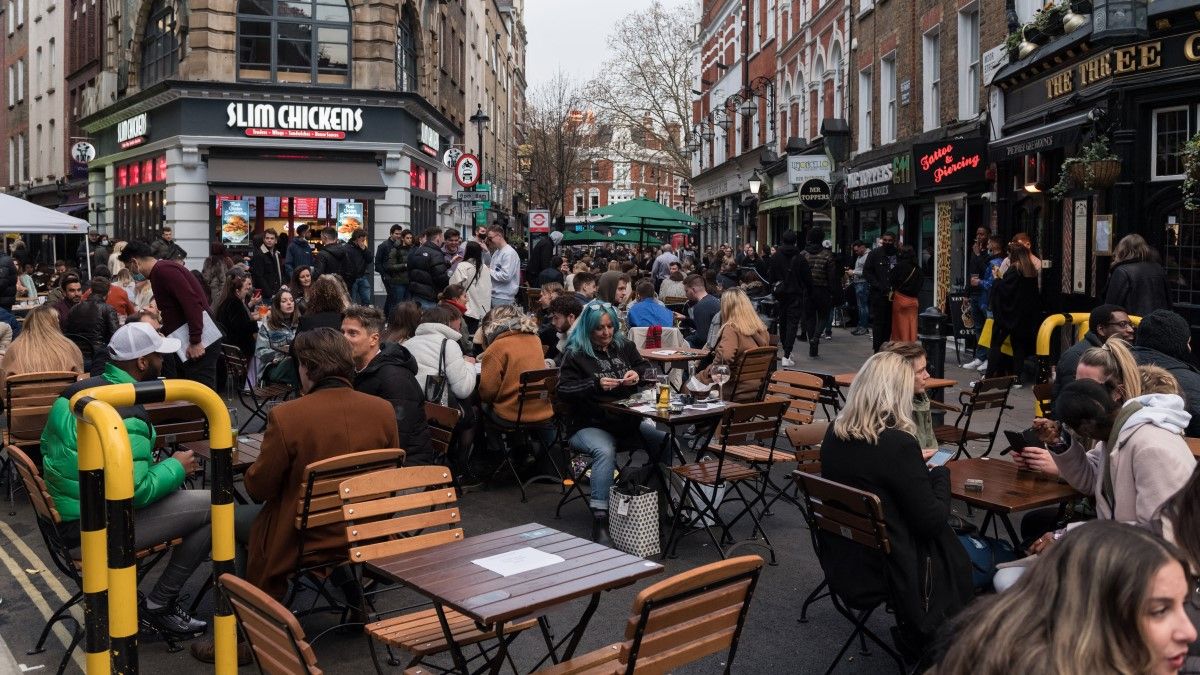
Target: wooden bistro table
(704, 418)
(449, 576)
(671, 358)
(245, 454)
(1006, 490)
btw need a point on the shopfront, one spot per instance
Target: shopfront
(226, 162)
(1141, 97)
(878, 195)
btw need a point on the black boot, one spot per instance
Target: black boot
(813, 347)
(172, 620)
(600, 527)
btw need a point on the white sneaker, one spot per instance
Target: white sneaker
(787, 362)
(982, 367)
(973, 364)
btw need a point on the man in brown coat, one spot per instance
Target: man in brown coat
(331, 419)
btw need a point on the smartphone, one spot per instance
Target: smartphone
(941, 457)
(1024, 439)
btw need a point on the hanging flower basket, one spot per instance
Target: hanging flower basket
(1077, 172)
(1191, 173)
(1105, 172)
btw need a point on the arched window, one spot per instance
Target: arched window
(819, 82)
(283, 41)
(835, 63)
(160, 44)
(406, 52)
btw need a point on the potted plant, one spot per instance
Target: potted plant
(1033, 33)
(1096, 168)
(1190, 154)
(1013, 44)
(1050, 20)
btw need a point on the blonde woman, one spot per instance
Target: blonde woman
(741, 329)
(871, 447)
(41, 347)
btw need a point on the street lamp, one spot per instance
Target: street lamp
(755, 183)
(748, 107)
(725, 121)
(480, 119)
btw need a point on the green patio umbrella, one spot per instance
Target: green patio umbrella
(616, 235)
(645, 215)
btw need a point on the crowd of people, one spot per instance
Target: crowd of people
(451, 332)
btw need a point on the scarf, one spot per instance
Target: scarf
(456, 304)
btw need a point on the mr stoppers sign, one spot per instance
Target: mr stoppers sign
(276, 120)
(950, 163)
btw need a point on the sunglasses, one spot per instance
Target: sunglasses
(596, 304)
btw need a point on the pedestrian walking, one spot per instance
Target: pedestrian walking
(427, 270)
(862, 290)
(790, 279)
(823, 269)
(363, 290)
(391, 262)
(877, 270)
(1137, 280)
(1016, 313)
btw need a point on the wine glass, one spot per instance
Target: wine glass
(720, 375)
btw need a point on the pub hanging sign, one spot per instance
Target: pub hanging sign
(950, 163)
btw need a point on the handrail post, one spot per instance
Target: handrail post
(220, 439)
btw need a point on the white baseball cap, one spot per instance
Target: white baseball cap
(135, 340)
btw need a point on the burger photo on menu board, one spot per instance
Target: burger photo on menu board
(235, 221)
(350, 218)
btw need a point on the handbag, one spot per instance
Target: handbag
(435, 385)
(985, 338)
(633, 520)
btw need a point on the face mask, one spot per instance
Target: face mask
(139, 277)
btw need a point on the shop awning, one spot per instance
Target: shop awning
(1045, 137)
(309, 178)
(786, 201)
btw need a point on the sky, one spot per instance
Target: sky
(571, 35)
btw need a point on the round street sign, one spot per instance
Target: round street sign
(83, 152)
(450, 157)
(466, 170)
(815, 194)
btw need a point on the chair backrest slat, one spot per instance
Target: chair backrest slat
(749, 374)
(844, 511)
(442, 421)
(750, 423)
(27, 400)
(690, 615)
(801, 390)
(274, 634)
(39, 494)
(395, 511)
(323, 478)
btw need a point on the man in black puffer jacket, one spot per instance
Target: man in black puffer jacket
(91, 325)
(791, 281)
(1164, 340)
(428, 273)
(8, 281)
(389, 371)
(335, 258)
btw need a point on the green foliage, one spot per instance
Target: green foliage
(1095, 151)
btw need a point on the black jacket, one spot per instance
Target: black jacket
(579, 387)
(877, 270)
(1016, 304)
(90, 325)
(928, 567)
(235, 322)
(1187, 375)
(549, 275)
(427, 272)
(788, 273)
(8, 282)
(167, 250)
(392, 375)
(906, 278)
(1139, 287)
(266, 269)
(540, 257)
(1064, 372)
(339, 258)
(391, 261)
(316, 320)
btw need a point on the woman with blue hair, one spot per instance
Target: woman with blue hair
(599, 365)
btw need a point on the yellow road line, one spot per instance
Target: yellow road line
(38, 600)
(51, 579)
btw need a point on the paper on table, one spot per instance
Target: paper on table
(208, 336)
(663, 352)
(520, 560)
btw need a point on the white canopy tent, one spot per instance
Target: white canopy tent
(18, 215)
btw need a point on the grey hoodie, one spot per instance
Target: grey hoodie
(1149, 465)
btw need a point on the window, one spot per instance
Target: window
(1169, 132)
(931, 76)
(579, 202)
(865, 94)
(39, 62)
(41, 157)
(756, 22)
(20, 13)
(12, 87)
(819, 77)
(770, 19)
(406, 53)
(22, 157)
(304, 41)
(595, 171)
(835, 64)
(968, 64)
(20, 80)
(1026, 10)
(53, 143)
(594, 198)
(160, 44)
(53, 63)
(12, 158)
(12, 28)
(887, 95)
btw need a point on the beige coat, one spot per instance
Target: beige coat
(731, 344)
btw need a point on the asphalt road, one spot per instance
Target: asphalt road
(773, 639)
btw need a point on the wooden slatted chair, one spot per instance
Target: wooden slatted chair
(254, 398)
(986, 394)
(746, 442)
(27, 402)
(678, 621)
(536, 386)
(1043, 399)
(64, 557)
(320, 508)
(830, 394)
(748, 377)
(275, 636)
(802, 391)
(443, 434)
(836, 511)
(395, 511)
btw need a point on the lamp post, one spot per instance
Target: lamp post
(755, 183)
(480, 119)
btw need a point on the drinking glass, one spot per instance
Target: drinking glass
(720, 375)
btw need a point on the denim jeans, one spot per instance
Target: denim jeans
(396, 294)
(601, 446)
(980, 317)
(862, 295)
(501, 300)
(425, 304)
(361, 292)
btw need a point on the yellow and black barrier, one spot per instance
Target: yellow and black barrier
(1054, 322)
(110, 606)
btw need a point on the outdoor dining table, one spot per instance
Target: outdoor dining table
(703, 415)
(451, 575)
(670, 358)
(844, 380)
(1006, 490)
(246, 453)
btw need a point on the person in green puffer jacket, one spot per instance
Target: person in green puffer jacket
(163, 512)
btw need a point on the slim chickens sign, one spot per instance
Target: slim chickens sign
(950, 163)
